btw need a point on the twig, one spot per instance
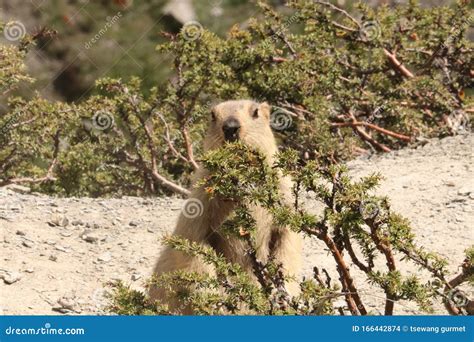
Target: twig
(384, 247)
(189, 146)
(340, 10)
(353, 299)
(397, 64)
(169, 184)
(365, 136)
(467, 271)
(374, 127)
(167, 138)
(355, 260)
(140, 163)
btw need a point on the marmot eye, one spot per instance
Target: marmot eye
(213, 115)
(255, 113)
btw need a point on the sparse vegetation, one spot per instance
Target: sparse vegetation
(340, 87)
(355, 226)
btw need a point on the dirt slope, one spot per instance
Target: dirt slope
(56, 254)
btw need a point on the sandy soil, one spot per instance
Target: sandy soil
(57, 254)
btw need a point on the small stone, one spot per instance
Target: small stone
(465, 191)
(133, 224)
(77, 223)
(28, 243)
(66, 304)
(90, 237)
(106, 257)
(11, 277)
(61, 221)
(53, 257)
(20, 232)
(29, 270)
(61, 248)
(136, 276)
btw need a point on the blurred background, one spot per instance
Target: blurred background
(117, 38)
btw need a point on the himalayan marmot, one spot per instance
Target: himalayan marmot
(249, 122)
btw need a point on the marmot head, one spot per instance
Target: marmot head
(244, 120)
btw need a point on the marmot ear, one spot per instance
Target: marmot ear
(264, 109)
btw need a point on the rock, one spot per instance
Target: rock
(29, 270)
(133, 224)
(11, 277)
(106, 257)
(20, 232)
(28, 243)
(89, 237)
(20, 189)
(136, 276)
(77, 223)
(53, 257)
(61, 248)
(59, 221)
(66, 305)
(465, 191)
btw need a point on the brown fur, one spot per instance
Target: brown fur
(285, 244)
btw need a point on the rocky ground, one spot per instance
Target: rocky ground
(57, 253)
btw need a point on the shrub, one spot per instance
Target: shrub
(354, 225)
(340, 86)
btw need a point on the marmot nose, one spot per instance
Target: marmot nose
(231, 129)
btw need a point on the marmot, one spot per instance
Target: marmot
(248, 121)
